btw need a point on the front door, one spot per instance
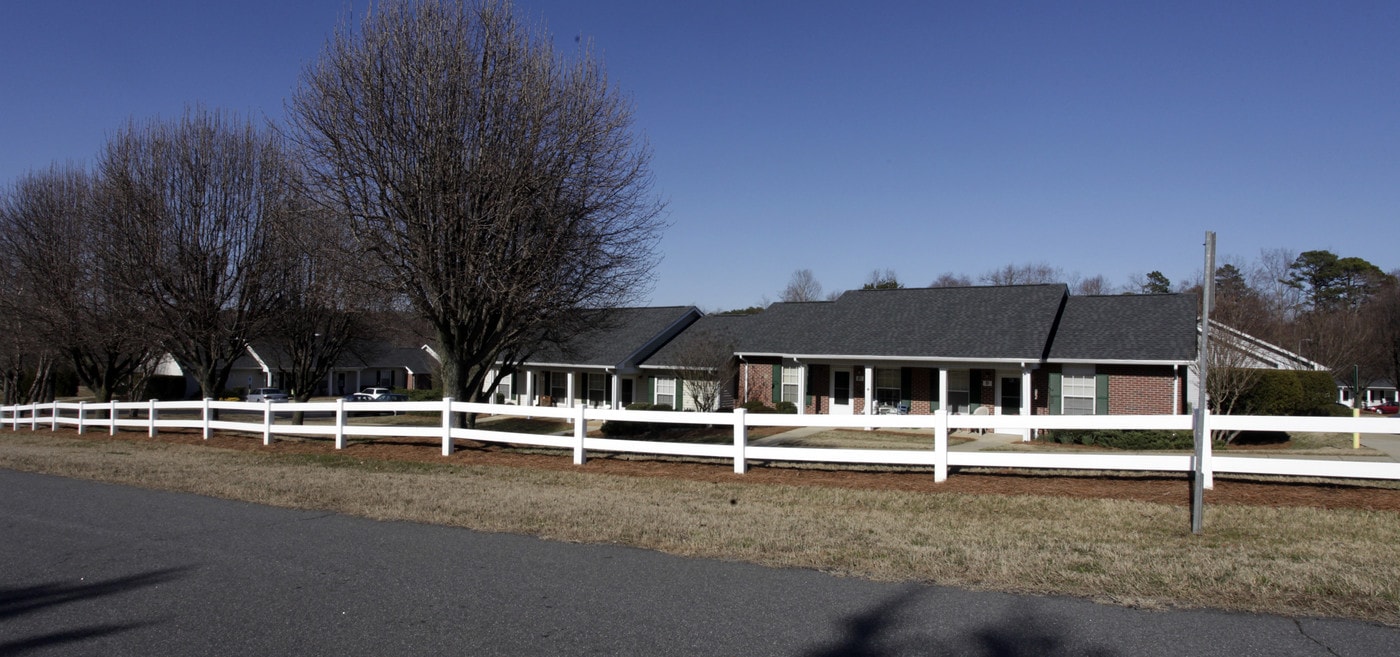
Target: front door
(1010, 395)
(841, 392)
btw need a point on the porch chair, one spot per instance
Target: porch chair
(902, 409)
(981, 410)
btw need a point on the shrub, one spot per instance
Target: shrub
(1145, 439)
(755, 406)
(1276, 392)
(786, 407)
(1319, 392)
(613, 428)
(421, 394)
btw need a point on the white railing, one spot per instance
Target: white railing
(201, 415)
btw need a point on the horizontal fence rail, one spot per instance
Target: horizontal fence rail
(260, 418)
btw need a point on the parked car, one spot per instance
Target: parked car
(375, 393)
(266, 394)
(367, 396)
(1384, 408)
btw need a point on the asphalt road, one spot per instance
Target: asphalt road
(98, 569)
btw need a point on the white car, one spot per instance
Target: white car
(266, 394)
(376, 393)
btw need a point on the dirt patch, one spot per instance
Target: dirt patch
(1159, 488)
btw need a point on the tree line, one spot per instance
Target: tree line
(440, 160)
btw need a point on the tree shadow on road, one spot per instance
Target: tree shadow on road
(888, 629)
(20, 601)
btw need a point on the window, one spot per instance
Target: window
(887, 387)
(791, 375)
(1077, 390)
(959, 401)
(666, 391)
(559, 387)
(504, 388)
(597, 388)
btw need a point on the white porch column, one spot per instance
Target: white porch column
(572, 385)
(616, 392)
(869, 390)
(1025, 400)
(943, 389)
(529, 386)
(801, 388)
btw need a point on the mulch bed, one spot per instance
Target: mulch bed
(1163, 488)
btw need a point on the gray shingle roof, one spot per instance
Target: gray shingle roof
(1143, 327)
(998, 322)
(616, 335)
(725, 329)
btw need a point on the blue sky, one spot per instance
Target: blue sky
(923, 137)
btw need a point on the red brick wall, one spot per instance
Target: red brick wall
(1132, 389)
(920, 394)
(1139, 389)
(760, 380)
(818, 388)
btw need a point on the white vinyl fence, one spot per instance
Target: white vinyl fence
(199, 415)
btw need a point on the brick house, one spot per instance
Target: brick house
(1001, 349)
(598, 366)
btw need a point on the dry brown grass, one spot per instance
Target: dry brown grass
(1285, 560)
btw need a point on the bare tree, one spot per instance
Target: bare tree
(197, 211)
(496, 186)
(326, 312)
(705, 361)
(882, 280)
(1092, 285)
(949, 279)
(1028, 274)
(50, 235)
(802, 287)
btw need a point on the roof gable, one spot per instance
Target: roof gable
(1130, 327)
(617, 337)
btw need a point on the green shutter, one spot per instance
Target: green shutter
(777, 385)
(934, 393)
(651, 394)
(1101, 395)
(680, 395)
(607, 388)
(1055, 383)
(974, 390)
(906, 386)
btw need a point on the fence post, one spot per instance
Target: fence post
(267, 421)
(1207, 472)
(34, 418)
(82, 415)
(741, 441)
(447, 426)
(112, 419)
(152, 416)
(580, 432)
(940, 446)
(206, 418)
(55, 416)
(340, 423)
